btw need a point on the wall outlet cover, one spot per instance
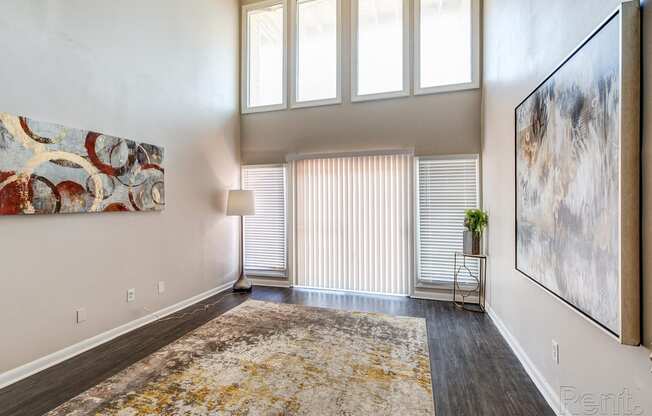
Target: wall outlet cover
(131, 295)
(161, 287)
(81, 315)
(555, 352)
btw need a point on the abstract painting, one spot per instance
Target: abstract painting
(264, 358)
(569, 180)
(46, 168)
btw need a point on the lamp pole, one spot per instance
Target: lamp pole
(242, 284)
(242, 267)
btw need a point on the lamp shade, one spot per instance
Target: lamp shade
(241, 203)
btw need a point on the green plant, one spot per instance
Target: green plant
(475, 220)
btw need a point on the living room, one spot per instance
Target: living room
(325, 207)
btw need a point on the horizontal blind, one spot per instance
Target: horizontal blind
(265, 239)
(353, 223)
(446, 188)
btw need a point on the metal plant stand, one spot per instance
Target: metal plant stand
(474, 286)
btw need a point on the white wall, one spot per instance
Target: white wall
(432, 124)
(161, 71)
(524, 42)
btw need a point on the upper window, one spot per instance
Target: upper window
(306, 37)
(316, 51)
(264, 56)
(380, 49)
(446, 45)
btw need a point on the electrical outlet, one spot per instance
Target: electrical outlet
(81, 315)
(555, 352)
(161, 287)
(131, 295)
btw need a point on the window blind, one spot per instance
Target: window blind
(265, 239)
(353, 223)
(446, 188)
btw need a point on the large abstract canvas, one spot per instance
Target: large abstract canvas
(46, 168)
(575, 197)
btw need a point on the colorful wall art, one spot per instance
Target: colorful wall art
(576, 198)
(46, 168)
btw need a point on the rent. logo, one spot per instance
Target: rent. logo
(578, 403)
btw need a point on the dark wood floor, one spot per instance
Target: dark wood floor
(473, 369)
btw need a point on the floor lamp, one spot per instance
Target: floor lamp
(241, 203)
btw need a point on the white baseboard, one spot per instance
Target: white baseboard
(432, 295)
(261, 281)
(539, 381)
(40, 364)
(442, 295)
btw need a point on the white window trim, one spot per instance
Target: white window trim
(293, 66)
(437, 283)
(475, 54)
(289, 236)
(244, 75)
(405, 92)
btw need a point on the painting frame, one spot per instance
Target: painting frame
(629, 277)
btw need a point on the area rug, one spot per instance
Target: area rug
(264, 358)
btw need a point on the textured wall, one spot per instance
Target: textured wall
(159, 71)
(524, 42)
(431, 124)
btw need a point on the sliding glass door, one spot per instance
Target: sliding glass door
(353, 223)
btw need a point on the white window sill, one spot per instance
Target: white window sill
(447, 88)
(266, 273)
(380, 96)
(263, 109)
(316, 103)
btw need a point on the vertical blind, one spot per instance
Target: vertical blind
(353, 223)
(446, 188)
(265, 234)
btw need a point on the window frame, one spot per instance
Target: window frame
(475, 54)
(244, 48)
(438, 283)
(293, 45)
(405, 92)
(267, 274)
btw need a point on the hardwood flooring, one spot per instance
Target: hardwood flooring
(474, 371)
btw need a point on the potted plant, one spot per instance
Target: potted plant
(475, 220)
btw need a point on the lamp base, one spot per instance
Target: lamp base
(242, 284)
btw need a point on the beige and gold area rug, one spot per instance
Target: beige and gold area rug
(264, 358)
